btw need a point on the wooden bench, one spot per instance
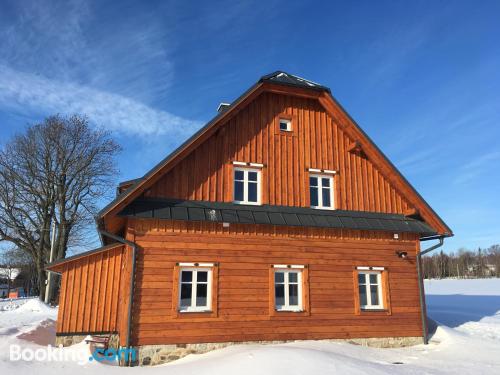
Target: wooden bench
(99, 341)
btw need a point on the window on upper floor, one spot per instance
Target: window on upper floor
(285, 125)
(246, 186)
(321, 191)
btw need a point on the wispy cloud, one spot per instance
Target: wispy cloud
(24, 91)
(54, 60)
(476, 167)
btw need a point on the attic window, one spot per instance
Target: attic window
(285, 125)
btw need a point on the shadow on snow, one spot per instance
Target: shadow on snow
(457, 309)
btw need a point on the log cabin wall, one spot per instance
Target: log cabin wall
(243, 255)
(316, 141)
(92, 292)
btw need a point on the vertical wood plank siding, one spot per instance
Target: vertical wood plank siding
(244, 255)
(90, 293)
(253, 135)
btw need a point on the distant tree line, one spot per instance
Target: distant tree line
(463, 263)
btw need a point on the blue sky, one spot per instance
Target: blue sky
(422, 78)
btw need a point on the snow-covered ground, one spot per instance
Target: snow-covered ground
(467, 341)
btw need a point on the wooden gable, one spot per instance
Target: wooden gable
(315, 141)
(323, 136)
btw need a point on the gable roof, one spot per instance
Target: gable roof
(55, 266)
(283, 83)
(284, 78)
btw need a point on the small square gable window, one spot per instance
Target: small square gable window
(285, 125)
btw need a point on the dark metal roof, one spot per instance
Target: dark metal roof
(83, 254)
(288, 79)
(275, 215)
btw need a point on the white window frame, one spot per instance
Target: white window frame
(245, 185)
(286, 306)
(194, 285)
(367, 284)
(320, 191)
(288, 124)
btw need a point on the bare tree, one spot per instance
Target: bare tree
(56, 171)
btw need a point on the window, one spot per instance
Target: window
(247, 186)
(288, 290)
(195, 289)
(321, 191)
(285, 125)
(370, 290)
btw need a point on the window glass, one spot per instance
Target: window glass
(252, 192)
(202, 276)
(293, 295)
(238, 190)
(186, 294)
(280, 294)
(252, 176)
(374, 294)
(362, 295)
(201, 295)
(314, 196)
(279, 277)
(187, 276)
(238, 175)
(326, 197)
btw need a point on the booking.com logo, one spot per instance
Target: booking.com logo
(111, 354)
(59, 354)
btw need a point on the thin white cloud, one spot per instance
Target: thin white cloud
(28, 92)
(476, 167)
(54, 60)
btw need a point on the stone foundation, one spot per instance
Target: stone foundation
(149, 355)
(75, 339)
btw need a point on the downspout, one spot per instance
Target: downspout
(132, 277)
(421, 291)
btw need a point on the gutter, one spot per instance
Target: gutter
(132, 277)
(421, 292)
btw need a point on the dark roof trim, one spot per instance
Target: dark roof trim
(288, 79)
(185, 210)
(81, 255)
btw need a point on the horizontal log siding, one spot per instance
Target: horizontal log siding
(90, 293)
(244, 254)
(316, 141)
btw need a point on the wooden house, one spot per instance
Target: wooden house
(278, 220)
